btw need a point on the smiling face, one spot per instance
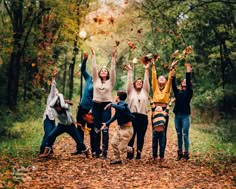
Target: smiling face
(104, 74)
(183, 83)
(161, 80)
(138, 84)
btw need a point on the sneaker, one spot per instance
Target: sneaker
(115, 162)
(46, 152)
(76, 152)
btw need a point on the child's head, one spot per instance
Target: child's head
(158, 109)
(122, 95)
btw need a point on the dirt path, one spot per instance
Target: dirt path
(66, 171)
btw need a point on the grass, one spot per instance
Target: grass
(23, 149)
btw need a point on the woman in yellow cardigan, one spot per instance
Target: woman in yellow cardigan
(161, 88)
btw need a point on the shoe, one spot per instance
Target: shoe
(186, 156)
(130, 154)
(115, 162)
(104, 155)
(76, 152)
(46, 152)
(179, 155)
(86, 152)
(138, 155)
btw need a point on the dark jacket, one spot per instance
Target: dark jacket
(122, 115)
(87, 97)
(183, 97)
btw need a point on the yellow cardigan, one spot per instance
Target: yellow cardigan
(160, 96)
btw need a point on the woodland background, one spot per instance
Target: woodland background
(38, 35)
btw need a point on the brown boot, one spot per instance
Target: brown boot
(46, 152)
(179, 155)
(86, 153)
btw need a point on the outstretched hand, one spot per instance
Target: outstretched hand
(146, 66)
(127, 66)
(173, 64)
(54, 72)
(85, 55)
(189, 67)
(114, 51)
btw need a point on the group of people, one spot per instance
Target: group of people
(132, 117)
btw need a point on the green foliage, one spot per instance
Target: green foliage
(25, 111)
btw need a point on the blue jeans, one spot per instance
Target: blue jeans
(101, 116)
(48, 125)
(71, 130)
(182, 125)
(158, 138)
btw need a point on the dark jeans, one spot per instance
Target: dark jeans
(140, 124)
(71, 130)
(48, 125)
(158, 138)
(79, 119)
(101, 116)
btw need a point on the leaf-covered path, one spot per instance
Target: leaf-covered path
(66, 171)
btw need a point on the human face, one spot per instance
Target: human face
(103, 73)
(183, 83)
(138, 84)
(161, 79)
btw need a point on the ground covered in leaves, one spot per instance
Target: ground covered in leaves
(66, 171)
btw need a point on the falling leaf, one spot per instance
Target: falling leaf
(140, 30)
(98, 20)
(111, 20)
(117, 43)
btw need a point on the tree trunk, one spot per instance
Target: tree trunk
(13, 79)
(71, 78)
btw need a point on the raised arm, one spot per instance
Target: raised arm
(94, 66)
(83, 67)
(52, 93)
(154, 78)
(146, 84)
(188, 76)
(130, 80)
(113, 67)
(171, 75)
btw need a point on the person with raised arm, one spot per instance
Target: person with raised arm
(182, 111)
(49, 116)
(138, 92)
(103, 84)
(84, 112)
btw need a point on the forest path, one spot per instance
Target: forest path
(72, 172)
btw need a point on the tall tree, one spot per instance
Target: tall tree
(16, 10)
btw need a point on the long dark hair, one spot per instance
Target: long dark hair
(58, 107)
